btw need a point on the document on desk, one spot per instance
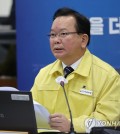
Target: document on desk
(42, 116)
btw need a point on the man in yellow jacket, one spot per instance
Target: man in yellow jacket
(93, 88)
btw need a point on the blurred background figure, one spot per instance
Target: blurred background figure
(7, 39)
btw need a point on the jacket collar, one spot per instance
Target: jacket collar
(57, 67)
(85, 65)
(83, 68)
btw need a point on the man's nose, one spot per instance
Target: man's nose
(57, 39)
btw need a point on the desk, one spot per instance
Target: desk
(58, 133)
(44, 131)
(95, 130)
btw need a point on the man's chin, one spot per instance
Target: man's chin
(59, 56)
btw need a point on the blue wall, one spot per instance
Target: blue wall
(34, 18)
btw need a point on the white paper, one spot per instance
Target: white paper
(42, 116)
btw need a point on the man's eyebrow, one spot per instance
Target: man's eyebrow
(52, 30)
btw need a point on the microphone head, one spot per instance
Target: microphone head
(61, 80)
(62, 83)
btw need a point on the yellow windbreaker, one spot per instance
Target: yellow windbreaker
(93, 90)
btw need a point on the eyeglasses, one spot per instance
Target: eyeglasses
(61, 34)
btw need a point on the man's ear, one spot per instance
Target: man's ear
(85, 39)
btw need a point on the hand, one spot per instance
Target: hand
(59, 122)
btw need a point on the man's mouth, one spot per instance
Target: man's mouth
(58, 49)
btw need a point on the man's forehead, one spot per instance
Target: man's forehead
(63, 22)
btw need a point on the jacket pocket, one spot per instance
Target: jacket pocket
(82, 103)
(48, 96)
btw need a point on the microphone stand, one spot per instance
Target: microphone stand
(71, 123)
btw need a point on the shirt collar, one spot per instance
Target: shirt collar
(74, 65)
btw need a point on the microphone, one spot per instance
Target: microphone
(61, 80)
